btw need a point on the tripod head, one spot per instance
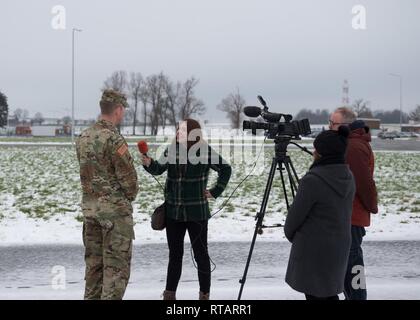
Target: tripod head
(281, 144)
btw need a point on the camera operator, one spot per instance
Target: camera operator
(318, 222)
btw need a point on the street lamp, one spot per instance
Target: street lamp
(72, 84)
(400, 77)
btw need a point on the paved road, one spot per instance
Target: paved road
(28, 269)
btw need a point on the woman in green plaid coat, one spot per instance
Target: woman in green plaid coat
(188, 161)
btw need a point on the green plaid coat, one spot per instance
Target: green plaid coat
(187, 179)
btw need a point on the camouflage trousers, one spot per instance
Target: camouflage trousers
(108, 248)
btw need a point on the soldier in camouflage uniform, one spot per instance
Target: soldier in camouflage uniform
(109, 185)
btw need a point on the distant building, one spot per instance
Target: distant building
(373, 124)
(411, 127)
(23, 130)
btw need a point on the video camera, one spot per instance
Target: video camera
(273, 125)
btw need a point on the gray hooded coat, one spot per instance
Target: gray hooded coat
(318, 225)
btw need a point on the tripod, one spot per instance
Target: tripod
(280, 162)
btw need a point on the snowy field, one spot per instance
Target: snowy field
(40, 196)
(41, 225)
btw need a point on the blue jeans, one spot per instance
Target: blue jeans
(355, 259)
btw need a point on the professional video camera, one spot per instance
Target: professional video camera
(273, 125)
(282, 132)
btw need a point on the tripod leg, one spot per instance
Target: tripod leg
(284, 185)
(289, 173)
(259, 217)
(293, 169)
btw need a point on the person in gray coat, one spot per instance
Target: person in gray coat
(318, 223)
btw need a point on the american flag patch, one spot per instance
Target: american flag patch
(122, 150)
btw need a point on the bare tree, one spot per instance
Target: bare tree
(172, 100)
(233, 105)
(415, 114)
(144, 98)
(156, 92)
(66, 120)
(128, 115)
(360, 107)
(20, 115)
(38, 118)
(164, 109)
(189, 104)
(117, 81)
(134, 88)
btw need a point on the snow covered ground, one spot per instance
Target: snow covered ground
(40, 217)
(65, 229)
(40, 196)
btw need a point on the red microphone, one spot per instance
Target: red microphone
(143, 148)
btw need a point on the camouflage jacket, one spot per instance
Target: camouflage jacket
(107, 173)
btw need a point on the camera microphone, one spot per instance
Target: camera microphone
(252, 111)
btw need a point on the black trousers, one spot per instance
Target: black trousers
(175, 233)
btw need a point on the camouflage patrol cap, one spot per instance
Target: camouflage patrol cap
(110, 95)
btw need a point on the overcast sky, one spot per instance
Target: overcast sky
(296, 54)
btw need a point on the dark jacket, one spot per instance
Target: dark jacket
(187, 180)
(361, 162)
(318, 225)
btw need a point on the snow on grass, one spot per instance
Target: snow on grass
(40, 196)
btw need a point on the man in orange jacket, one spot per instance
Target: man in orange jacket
(360, 159)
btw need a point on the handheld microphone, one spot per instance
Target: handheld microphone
(143, 147)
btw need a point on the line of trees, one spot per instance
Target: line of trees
(415, 114)
(317, 116)
(234, 103)
(159, 102)
(362, 110)
(162, 101)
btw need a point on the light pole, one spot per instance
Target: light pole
(72, 84)
(400, 77)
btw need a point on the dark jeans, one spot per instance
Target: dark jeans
(175, 233)
(309, 297)
(355, 259)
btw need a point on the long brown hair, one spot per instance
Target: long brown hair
(193, 125)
